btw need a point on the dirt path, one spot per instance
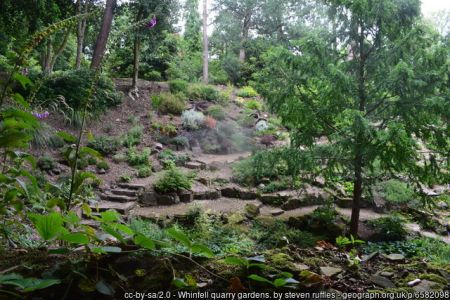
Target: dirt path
(222, 159)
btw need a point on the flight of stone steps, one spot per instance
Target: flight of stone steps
(122, 199)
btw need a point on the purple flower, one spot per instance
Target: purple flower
(41, 116)
(152, 23)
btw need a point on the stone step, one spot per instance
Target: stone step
(122, 208)
(117, 198)
(124, 192)
(132, 186)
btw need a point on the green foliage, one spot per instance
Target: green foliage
(174, 180)
(165, 129)
(275, 186)
(253, 104)
(178, 86)
(105, 145)
(202, 92)
(389, 228)
(74, 86)
(396, 191)
(144, 171)
(325, 214)
(133, 136)
(181, 142)
(135, 158)
(184, 240)
(431, 249)
(26, 285)
(261, 165)
(168, 103)
(273, 233)
(343, 241)
(247, 92)
(46, 163)
(103, 165)
(125, 178)
(217, 112)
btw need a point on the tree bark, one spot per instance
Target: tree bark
(81, 29)
(359, 160)
(102, 38)
(47, 56)
(137, 50)
(205, 43)
(245, 29)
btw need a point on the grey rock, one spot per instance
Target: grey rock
(167, 199)
(276, 212)
(101, 171)
(387, 274)
(442, 205)
(185, 196)
(156, 166)
(425, 286)
(395, 257)
(330, 271)
(195, 165)
(148, 198)
(158, 146)
(382, 281)
(344, 202)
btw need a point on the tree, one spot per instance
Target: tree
(205, 42)
(192, 35)
(102, 38)
(380, 98)
(241, 13)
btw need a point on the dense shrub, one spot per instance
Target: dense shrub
(270, 234)
(133, 136)
(134, 158)
(217, 112)
(192, 119)
(200, 91)
(180, 142)
(152, 76)
(74, 86)
(105, 145)
(261, 165)
(174, 180)
(165, 129)
(46, 163)
(144, 171)
(247, 92)
(253, 104)
(102, 165)
(167, 103)
(42, 136)
(396, 191)
(389, 228)
(178, 86)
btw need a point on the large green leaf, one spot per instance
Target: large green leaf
(76, 238)
(202, 249)
(48, 226)
(179, 236)
(144, 241)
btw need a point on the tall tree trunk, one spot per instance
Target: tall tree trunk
(137, 50)
(102, 38)
(205, 43)
(359, 161)
(81, 29)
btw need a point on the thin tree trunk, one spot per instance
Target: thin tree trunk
(81, 29)
(137, 50)
(359, 162)
(205, 43)
(102, 38)
(47, 56)
(60, 50)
